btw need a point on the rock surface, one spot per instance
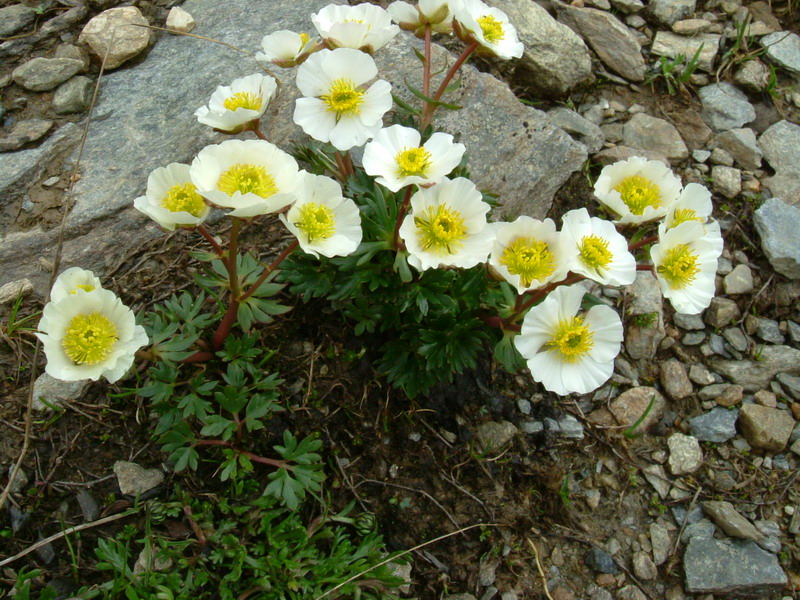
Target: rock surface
(135, 480)
(656, 135)
(765, 427)
(777, 223)
(783, 48)
(718, 425)
(44, 74)
(685, 455)
(780, 144)
(756, 375)
(730, 521)
(49, 392)
(117, 35)
(725, 106)
(672, 45)
(14, 18)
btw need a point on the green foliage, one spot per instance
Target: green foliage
(675, 72)
(251, 548)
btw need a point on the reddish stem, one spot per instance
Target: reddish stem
(274, 265)
(224, 328)
(426, 73)
(210, 239)
(273, 462)
(642, 242)
(401, 214)
(258, 132)
(427, 110)
(199, 356)
(650, 268)
(535, 295)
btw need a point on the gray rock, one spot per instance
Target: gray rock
(693, 338)
(753, 75)
(685, 455)
(730, 521)
(675, 379)
(64, 21)
(661, 541)
(53, 392)
(731, 567)
(73, 96)
(460, 597)
(726, 180)
(742, 145)
(43, 74)
(740, 280)
(765, 427)
(738, 340)
(645, 298)
(721, 312)
(117, 35)
(13, 290)
(717, 425)
(771, 532)
(628, 6)
(780, 143)
(689, 322)
(25, 132)
(690, 26)
(75, 53)
(555, 59)
(15, 18)
(790, 383)
(135, 480)
(629, 407)
(601, 561)
(701, 529)
(89, 506)
(613, 42)
(777, 224)
(631, 592)
(644, 567)
(666, 12)
(569, 427)
(699, 374)
(657, 477)
(783, 48)
(725, 106)
(655, 135)
(756, 375)
(718, 346)
(494, 435)
(150, 124)
(583, 130)
(672, 45)
(720, 156)
(770, 331)
(487, 570)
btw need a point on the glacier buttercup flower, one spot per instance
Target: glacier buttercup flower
(71, 280)
(252, 177)
(447, 226)
(397, 159)
(88, 335)
(566, 350)
(637, 189)
(337, 107)
(286, 48)
(685, 261)
(363, 27)
(436, 13)
(529, 253)
(489, 27)
(324, 221)
(603, 254)
(232, 107)
(171, 199)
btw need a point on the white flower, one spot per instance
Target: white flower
(285, 48)
(489, 27)
(436, 13)
(568, 352)
(637, 189)
(694, 204)
(602, 251)
(171, 199)
(685, 261)
(72, 280)
(232, 107)
(529, 253)
(337, 108)
(447, 226)
(323, 221)
(253, 177)
(397, 159)
(363, 27)
(87, 335)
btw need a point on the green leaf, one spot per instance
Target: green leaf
(430, 100)
(218, 426)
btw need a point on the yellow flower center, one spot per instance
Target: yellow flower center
(638, 193)
(442, 230)
(413, 161)
(304, 38)
(316, 221)
(679, 266)
(81, 286)
(343, 98)
(529, 258)
(89, 338)
(595, 253)
(246, 100)
(572, 339)
(359, 21)
(492, 29)
(252, 179)
(184, 198)
(685, 214)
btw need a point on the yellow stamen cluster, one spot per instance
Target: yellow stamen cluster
(343, 98)
(316, 221)
(638, 193)
(679, 266)
(304, 37)
(594, 253)
(184, 198)
(244, 179)
(572, 339)
(81, 286)
(89, 338)
(492, 29)
(685, 214)
(442, 230)
(529, 258)
(413, 162)
(246, 100)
